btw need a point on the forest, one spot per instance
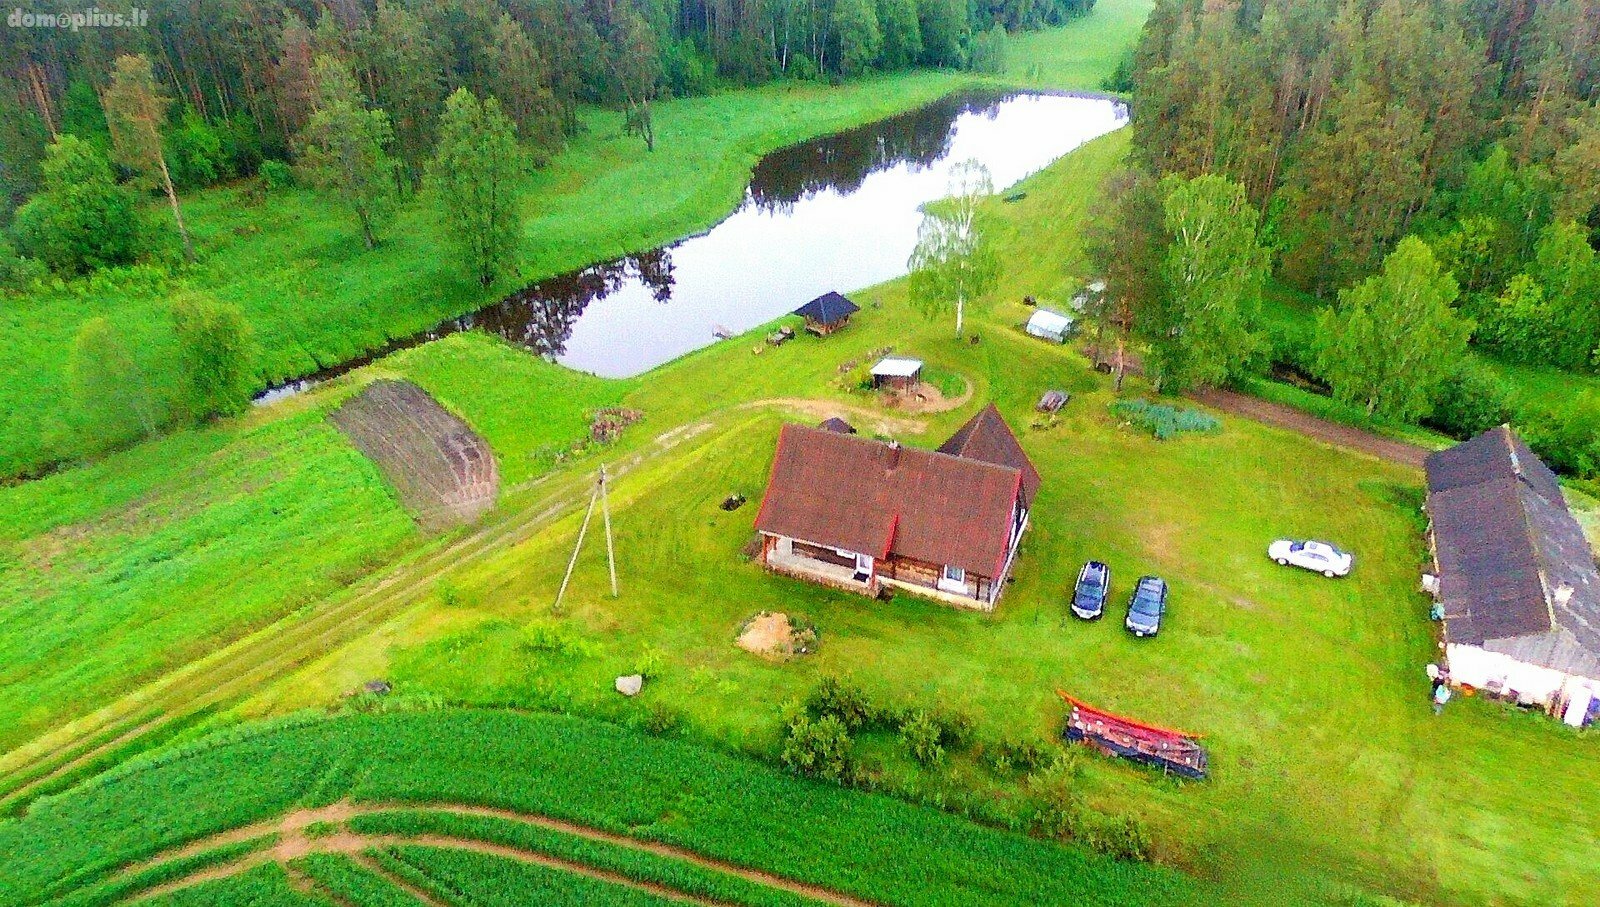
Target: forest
(1427, 174)
(244, 75)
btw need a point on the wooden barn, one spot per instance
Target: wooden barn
(1515, 578)
(827, 313)
(859, 514)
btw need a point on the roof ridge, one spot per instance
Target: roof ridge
(875, 442)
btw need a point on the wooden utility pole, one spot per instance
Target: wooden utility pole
(599, 494)
(605, 510)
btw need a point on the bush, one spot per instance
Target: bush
(1567, 437)
(921, 735)
(1121, 837)
(16, 271)
(1016, 755)
(276, 175)
(818, 747)
(839, 698)
(1471, 401)
(1162, 420)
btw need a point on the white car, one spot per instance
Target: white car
(1320, 557)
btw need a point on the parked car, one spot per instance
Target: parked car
(1089, 595)
(1319, 557)
(1146, 606)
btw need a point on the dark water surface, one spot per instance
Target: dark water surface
(835, 213)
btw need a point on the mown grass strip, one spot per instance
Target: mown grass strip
(350, 882)
(637, 865)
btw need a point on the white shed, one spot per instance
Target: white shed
(1048, 325)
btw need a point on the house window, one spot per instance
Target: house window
(955, 574)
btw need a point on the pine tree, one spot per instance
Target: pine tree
(135, 111)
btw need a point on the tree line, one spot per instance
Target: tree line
(243, 73)
(1429, 169)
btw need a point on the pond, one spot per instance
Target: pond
(835, 213)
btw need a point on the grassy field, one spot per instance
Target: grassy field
(147, 560)
(718, 810)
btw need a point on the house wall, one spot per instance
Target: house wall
(919, 576)
(1503, 675)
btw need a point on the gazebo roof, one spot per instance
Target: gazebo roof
(897, 367)
(828, 308)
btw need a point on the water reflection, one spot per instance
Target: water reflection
(840, 212)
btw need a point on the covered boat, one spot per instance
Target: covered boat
(1168, 750)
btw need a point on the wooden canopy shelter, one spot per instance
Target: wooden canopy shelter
(827, 313)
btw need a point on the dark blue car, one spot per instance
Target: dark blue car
(1147, 605)
(1089, 595)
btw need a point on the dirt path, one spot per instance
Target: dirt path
(824, 409)
(1288, 417)
(294, 843)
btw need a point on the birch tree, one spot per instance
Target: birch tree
(1212, 275)
(475, 177)
(1393, 339)
(135, 111)
(953, 264)
(344, 148)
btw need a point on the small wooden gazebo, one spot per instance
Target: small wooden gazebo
(827, 313)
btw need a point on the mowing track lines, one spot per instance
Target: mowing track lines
(290, 643)
(295, 843)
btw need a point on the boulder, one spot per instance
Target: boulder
(630, 684)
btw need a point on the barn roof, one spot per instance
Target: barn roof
(828, 308)
(879, 498)
(987, 437)
(1516, 573)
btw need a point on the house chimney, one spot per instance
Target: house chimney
(1563, 594)
(894, 455)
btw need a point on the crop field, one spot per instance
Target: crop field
(631, 813)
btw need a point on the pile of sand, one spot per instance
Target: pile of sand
(770, 634)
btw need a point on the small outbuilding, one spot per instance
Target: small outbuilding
(1047, 325)
(827, 313)
(897, 373)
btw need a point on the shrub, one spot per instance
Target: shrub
(1016, 755)
(818, 747)
(921, 735)
(839, 698)
(217, 354)
(1121, 837)
(1567, 437)
(650, 663)
(1162, 420)
(553, 637)
(276, 175)
(16, 271)
(1471, 401)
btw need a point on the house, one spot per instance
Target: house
(827, 313)
(1048, 325)
(897, 373)
(860, 514)
(1514, 577)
